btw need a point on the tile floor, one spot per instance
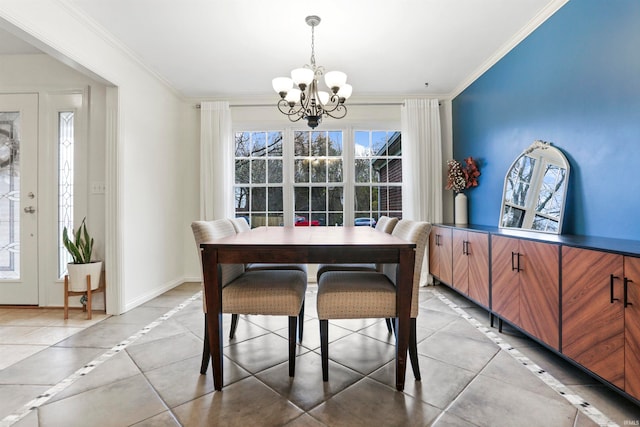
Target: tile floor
(142, 369)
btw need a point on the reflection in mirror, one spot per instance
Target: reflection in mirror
(535, 189)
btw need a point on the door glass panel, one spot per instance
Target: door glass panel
(9, 195)
(65, 185)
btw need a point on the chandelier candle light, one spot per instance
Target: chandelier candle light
(300, 97)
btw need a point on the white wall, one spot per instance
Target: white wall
(191, 195)
(147, 234)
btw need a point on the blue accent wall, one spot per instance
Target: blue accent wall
(574, 82)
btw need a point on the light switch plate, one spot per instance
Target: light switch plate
(98, 187)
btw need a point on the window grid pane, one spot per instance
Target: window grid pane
(318, 178)
(258, 177)
(318, 169)
(378, 174)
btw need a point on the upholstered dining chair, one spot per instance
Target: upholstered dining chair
(371, 294)
(385, 224)
(241, 225)
(261, 292)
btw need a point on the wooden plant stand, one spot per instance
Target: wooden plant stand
(89, 292)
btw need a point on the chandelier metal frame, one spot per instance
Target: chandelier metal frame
(300, 97)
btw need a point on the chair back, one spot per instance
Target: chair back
(418, 233)
(386, 224)
(209, 231)
(240, 224)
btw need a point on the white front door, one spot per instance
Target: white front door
(18, 199)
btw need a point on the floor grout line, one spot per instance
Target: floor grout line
(573, 398)
(35, 403)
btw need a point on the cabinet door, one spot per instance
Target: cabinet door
(593, 323)
(478, 254)
(632, 327)
(460, 261)
(505, 284)
(540, 291)
(445, 256)
(434, 251)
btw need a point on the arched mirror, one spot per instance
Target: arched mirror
(535, 190)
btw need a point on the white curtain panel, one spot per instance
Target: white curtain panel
(216, 161)
(422, 165)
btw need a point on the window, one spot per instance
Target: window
(318, 178)
(258, 177)
(336, 177)
(378, 176)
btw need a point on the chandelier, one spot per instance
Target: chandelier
(300, 97)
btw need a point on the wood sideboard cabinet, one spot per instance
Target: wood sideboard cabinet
(471, 265)
(601, 314)
(577, 295)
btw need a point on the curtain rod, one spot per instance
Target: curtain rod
(366, 104)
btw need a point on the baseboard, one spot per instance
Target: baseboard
(154, 293)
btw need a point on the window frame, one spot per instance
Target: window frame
(348, 155)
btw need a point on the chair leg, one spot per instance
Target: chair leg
(389, 327)
(234, 326)
(206, 350)
(324, 348)
(293, 327)
(392, 321)
(301, 323)
(413, 350)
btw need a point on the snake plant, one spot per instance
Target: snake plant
(81, 246)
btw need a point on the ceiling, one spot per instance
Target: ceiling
(233, 48)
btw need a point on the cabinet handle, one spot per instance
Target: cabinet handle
(513, 264)
(518, 269)
(611, 278)
(465, 247)
(437, 240)
(626, 283)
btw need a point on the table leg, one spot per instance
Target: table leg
(213, 298)
(404, 293)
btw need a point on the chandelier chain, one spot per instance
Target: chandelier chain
(313, 48)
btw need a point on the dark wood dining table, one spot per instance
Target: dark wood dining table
(308, 245)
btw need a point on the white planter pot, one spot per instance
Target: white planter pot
(460, 210)
(78, 275)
